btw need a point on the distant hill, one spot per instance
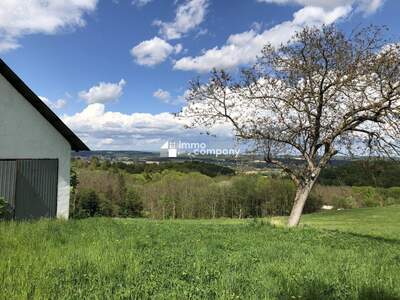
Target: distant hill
(116, 154)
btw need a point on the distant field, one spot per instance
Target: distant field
(221, 259)
(377, 222)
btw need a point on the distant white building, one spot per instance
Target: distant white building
(327, 207)
(35, 152)
(152, 162)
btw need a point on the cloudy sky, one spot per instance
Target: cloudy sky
(115, 70)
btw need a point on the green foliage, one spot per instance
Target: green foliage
(209, 169)
(357, 197)
(5, 209)
(132, 205)
(3, 206)
(88, 204)
(376, 173)
(313, 203)
(104, 193)
(74, 181)
(367, 196)
(104, 258)
(178, 195)
(391, 195)
(174, 194)
(94, 163)
(276, 195)
(346, 202)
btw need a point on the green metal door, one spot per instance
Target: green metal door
(36, 188)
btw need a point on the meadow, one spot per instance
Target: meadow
(351, 254)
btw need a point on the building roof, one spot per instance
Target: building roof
(42, 108)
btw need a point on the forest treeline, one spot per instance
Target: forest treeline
(376, 173)
(177, 191)
(208, 169)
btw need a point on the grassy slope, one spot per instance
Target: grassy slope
(375, 222)
(378, 222)
(107, 258)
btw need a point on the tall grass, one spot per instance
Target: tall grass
(139, 259)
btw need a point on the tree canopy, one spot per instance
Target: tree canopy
(321, 93)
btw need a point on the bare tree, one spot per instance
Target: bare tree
(320, 94)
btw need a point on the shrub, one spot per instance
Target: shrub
(132, 205)
(88, 204)
(107, 206)
(344, 202)
(367, 196)
(313, 203)
(390, 196)
(391, 201)
(329, 194)
(5, 209)
(277, 196)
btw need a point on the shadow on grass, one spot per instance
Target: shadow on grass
(312, 290)
(392, 241)
(373, 294)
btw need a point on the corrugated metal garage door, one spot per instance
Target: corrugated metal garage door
(36, 193)
(35, 187)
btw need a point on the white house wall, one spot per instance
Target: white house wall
(26, 134)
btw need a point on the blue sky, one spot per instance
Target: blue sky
(113, 70)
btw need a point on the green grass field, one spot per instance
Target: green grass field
(221, 259)
(381, 222)
(378, 222)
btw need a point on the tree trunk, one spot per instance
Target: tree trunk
(173, 210)
(301, 196)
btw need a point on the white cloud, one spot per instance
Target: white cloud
(162, 95)
(243, 48)
(153, 52)
(103, 129)
(103, 92)
(178, 48)
(141, 3)
(188, 16)
(58, 104)
(105, 142)
(166, 97)
(156, 50)
(19, 18)
(370, 6)
(202, 31)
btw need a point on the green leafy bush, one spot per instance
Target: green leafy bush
(313, 203)
(132, 205)
(5, 209)
(367, 196)
(391, 195)
(87, 204)
(277, 195)
(344, 202)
